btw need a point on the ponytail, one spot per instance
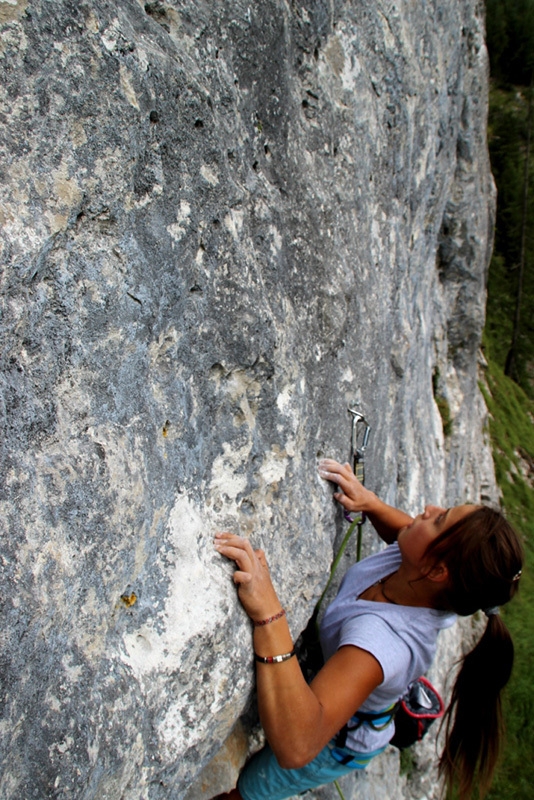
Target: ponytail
(484, 556)
(473, 720)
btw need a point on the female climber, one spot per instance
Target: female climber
(377, 636)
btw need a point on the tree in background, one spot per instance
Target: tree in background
(510, 39)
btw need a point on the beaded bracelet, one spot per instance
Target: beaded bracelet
(280, 614)
(275, 659)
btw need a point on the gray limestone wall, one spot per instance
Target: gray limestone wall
(222, 223)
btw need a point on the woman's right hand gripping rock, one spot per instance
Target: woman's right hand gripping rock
(353, 496)
(254, 587)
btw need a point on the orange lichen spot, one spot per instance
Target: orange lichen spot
(129, 599)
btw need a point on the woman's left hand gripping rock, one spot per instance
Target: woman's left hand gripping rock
(254, 585)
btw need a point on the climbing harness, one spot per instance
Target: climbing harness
(377, 720)
(414, 713)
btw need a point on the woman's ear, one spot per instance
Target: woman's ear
(438, 573)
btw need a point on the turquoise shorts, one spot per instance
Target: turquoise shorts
(263, 779)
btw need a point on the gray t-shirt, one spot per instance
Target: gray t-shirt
(402, 638)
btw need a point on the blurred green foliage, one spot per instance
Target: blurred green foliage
(510, 38)
(512, 436)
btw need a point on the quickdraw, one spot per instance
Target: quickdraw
(310, 653)
(358, 445)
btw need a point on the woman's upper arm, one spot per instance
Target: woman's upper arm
(342, 685)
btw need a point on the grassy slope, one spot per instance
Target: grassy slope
(512, 435)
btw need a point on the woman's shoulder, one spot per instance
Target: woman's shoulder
(379, 564)
(368, 571)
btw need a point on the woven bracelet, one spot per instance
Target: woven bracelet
(260, 622)
(275, 659)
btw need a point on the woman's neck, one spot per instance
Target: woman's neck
(408, 588)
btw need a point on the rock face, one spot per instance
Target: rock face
(222, 223)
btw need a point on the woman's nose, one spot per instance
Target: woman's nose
(429, 510)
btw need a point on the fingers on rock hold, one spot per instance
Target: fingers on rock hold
(242, 577)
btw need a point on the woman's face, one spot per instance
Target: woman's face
(414, 538)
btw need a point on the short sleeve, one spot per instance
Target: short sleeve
(372, 633)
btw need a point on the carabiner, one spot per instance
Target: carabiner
(360, 430)
(358, 445)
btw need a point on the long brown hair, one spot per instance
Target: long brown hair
(484, 556)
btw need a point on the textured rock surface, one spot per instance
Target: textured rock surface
(221, 224)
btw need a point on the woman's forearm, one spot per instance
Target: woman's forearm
(353, 496)
(386, 520)
(290, 712)
(299, 720)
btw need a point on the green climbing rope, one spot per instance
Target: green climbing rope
(340, 793)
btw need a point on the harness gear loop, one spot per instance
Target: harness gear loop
(378, 720)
